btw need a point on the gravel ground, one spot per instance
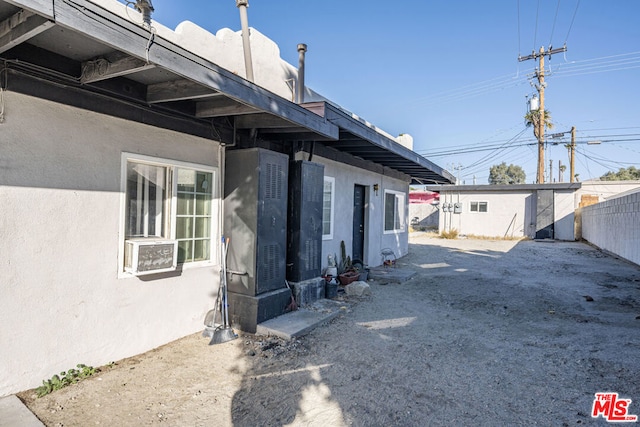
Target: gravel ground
(487, 333)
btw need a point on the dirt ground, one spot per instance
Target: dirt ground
(488, 333)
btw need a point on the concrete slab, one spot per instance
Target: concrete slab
(385, 275)
(13, 413)
(302, 321)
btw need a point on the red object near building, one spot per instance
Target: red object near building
(423, 197)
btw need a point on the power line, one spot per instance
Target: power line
(535, 33)
(572, 20)
(554, 23)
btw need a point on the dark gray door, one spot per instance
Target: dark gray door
(544, 214)
(357, 251)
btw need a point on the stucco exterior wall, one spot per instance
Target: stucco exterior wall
(346, 177)
(614, 225)
(62, 302)
(563, 212)
(508, 214)
(604, 189)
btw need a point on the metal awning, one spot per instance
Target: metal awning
(68, 51)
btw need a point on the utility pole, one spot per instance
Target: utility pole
(572, 157)
(541, 85)
(550, 170)
(561, 169)
(457, 168)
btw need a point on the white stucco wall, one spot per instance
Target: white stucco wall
(563, 212)
(614, 225)
(604, 189)
(507, 214)
(62, 303)
(346, 177)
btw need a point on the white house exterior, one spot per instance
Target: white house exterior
(508, 211)
(65, 296)
(110, 143)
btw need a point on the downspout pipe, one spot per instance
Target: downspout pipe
(244, 23)
(302, 49)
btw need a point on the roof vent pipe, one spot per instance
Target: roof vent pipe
(302, 48)
(244, 22)
(145, 8)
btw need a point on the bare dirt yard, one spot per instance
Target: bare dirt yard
(487, 333)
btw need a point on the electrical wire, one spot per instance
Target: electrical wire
(535, 33)
(572, 21)
(555, 19)
(519, 46)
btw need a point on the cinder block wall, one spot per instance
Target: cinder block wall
(614, 226)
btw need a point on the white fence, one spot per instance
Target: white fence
(613, 225)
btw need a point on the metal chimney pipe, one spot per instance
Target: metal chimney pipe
(302, 48)
(145, 8)
(244, 22)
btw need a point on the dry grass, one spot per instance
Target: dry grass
(477, 237)
(451, 234)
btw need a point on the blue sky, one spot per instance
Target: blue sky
(447, 72)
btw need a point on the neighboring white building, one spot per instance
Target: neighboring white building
(595, 191)
(118, 182)
(528, 210)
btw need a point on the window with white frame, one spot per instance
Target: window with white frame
(328, 198)
(170, 200)
(394, 208)
(478, 207)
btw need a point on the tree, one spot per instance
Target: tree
(503, 174)
(532, 118)
(628, 174)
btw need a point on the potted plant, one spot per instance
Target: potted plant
(347, 273)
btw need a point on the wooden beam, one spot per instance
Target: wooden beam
(118, 32)
(223, 107)
(41, 7)
(82, 96)
(178, 90)
(21, 27)
(113, 65)
(263, 121)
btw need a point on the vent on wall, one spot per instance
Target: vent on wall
(311, 255)
(270, 263)
(273, 188)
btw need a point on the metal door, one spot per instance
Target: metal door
(544, 214)
(357, 251)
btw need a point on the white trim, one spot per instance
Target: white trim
(171, 196)
(332, 181)
(478, 211)
(401, 210)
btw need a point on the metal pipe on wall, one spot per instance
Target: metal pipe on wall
(302, 48)
(244, 23)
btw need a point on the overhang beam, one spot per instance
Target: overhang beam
(114, 65)
(178, 90)
(20, 27)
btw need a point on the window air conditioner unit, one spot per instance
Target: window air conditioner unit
(149, 256)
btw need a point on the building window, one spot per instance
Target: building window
(171, 200)
(146, 200)
(478, 207)
(193, 214)
(328, 198)
(394, 211)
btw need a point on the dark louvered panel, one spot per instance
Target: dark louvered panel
(304, 238)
